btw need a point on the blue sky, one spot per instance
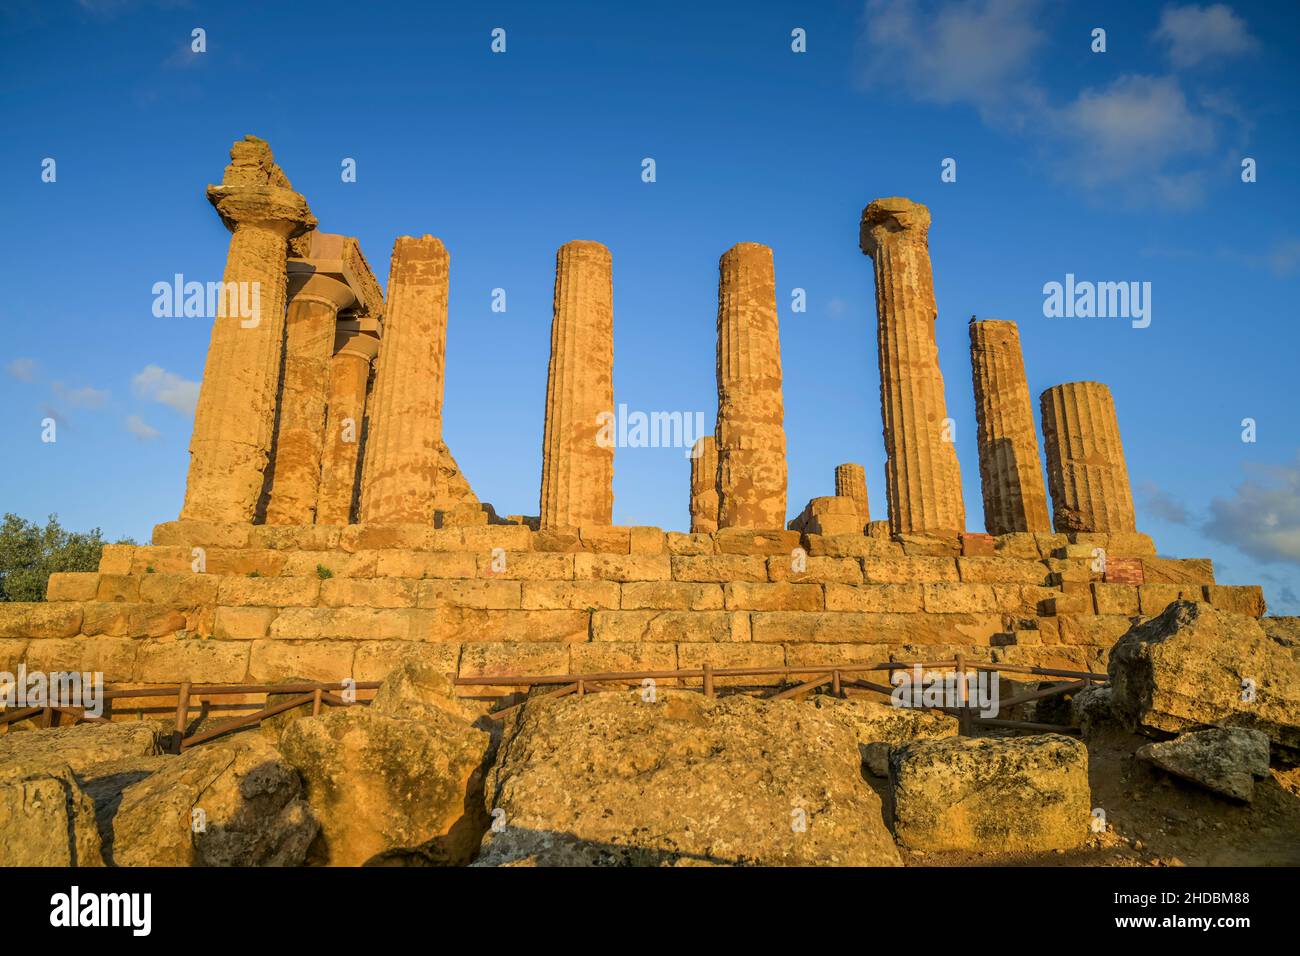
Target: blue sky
(1115, 166)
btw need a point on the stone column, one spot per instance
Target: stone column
(704, 486)
(234, 420)
(1086, 472)
(751, 412)
(1011, 473)
(349, 375)
(921, 472)
(399, 477)
(578, 436)
(851, 482)
(315, 301)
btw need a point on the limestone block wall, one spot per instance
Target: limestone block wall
(318, 602)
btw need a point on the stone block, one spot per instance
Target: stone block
(466, 625)
(909, 569)
(114, 657)
(816, 570)
(178, 589)
(72, 586)
(346, 623)
(622, 567)
(875, 598)
(488, 595)
(270, 592)
(570, 595)
(677, 542)
(118, 619)
(277, 661)
(1115, 598)
(1000, 570)
(637, 627)
(1181, 571)
(495, 659)
(942, 597)
(671, 596)
(1247, 599)
(719, 568)
(117, 587)
(116, 558)
(202, 662)
(527, 566)
(746, 541)
(367, 592)
(243, 623)
(750, 596)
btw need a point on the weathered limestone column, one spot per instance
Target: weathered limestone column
(349, 375)
(315, 301)
(577, 442)
(851, 482)
(235, 417)
(704, 486)
(1011, 473)
(399, 477)
(1086, 472)
(921, 472)
(751, 412)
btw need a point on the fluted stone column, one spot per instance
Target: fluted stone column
(751, 412)
(577, 440)
(922, 477)
(851, 482)
(1086, 472)
(1011, 473)
(399, 476)
(704, 486)
(349, 376)
(234, 419)
(315, 301)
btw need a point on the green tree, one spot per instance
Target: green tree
(29, 554)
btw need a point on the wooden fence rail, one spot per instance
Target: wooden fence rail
(814, 676)
(839, 677)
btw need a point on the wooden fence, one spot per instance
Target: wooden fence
(838, 679)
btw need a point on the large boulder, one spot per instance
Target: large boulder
(1226, 760)
(399, 781)
(1012, 794)
(233, 802)
(612, 779)
(46, 819)
(1194, 666)
(879, 727)
(82, 745)
(47, 815)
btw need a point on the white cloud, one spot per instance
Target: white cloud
(22, 369)
(1131, 133)
(1138, 139)
(84, 397)
(157, 384)
(141, 429)
(974, 53)
(1197, 34)
(1262, 518)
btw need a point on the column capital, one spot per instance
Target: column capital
(887, 217)
(274, 208)
(320, 287)
(360, 344)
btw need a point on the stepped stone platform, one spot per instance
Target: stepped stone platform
(233, 603)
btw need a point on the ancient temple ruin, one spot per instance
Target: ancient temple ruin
(327, 529)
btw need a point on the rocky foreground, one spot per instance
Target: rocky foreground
(1188, 756)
